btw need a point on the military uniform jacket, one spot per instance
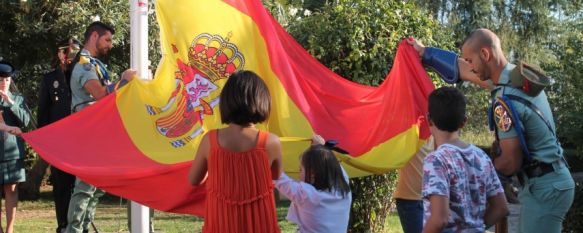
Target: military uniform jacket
(88, 68)
(54, 98)
(14, 115)
(541, 142)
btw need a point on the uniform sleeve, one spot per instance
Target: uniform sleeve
(298, 192)
(505, 122)
(435, 180)
(87, 72)
(19, 110)
(511, 133)
(43, 103)
(493, 186)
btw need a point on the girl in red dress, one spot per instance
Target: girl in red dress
(241, 161)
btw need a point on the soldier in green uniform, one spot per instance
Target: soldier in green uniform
(90, 82)
(14, 112)
(525, 131)
(526, 134)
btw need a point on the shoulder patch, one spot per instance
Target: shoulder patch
(83, 59)
(502, 116)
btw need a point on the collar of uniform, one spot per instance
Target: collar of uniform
(505, 75)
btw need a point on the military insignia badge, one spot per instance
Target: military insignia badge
(56, 84)
(502, 116)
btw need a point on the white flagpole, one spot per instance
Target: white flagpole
(140, 215)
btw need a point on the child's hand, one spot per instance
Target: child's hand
(317, 139)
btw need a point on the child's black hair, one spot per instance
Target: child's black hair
(447, 109)
(323, 171)
(244, 99)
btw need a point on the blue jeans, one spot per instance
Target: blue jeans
(411, 215)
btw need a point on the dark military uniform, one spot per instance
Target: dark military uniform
(55, 98)
(12, 147)
(12, 151)
(55, 104)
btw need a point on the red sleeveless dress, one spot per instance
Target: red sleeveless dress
(239, 190)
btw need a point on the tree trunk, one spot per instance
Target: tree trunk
(30, 190)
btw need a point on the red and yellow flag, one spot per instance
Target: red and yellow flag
(139, 142)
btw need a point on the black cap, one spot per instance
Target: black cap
(6, 69)
(68, 41)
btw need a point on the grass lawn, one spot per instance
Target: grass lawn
(111, 216)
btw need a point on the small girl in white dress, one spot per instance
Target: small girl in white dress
(320, 201)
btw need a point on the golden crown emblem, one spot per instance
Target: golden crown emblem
(215, 56)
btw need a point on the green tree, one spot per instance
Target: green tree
(357, 39)
(36, 26)
(533, 31)
(520, 24)
(566, 94)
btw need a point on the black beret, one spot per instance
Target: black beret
(67, 42)
(6, 69)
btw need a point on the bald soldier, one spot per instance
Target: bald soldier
(526, 142)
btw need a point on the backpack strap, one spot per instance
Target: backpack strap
(535, 109)
(539, 113)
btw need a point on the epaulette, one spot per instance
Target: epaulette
(85, 61)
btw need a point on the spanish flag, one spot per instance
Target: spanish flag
(139, 142)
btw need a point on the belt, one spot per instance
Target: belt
(84, 103)
(538, 169)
